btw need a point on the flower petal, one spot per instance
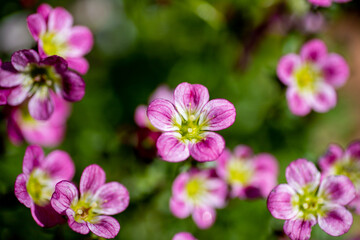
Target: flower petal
(21, 59)
(36, 25)
(171, 149)
(59, 165)
(80, 64)
(183, 236)
(10, 77)
(81, 228)
(65, 193)
(209, 148)
(297, 104)
(279, 202)
(58, 63)
(41, 105)
(73, 87)
(204, 217)
(163, 92)
(59, 20)
(4, 93)
(92, 178)
(105, 226)
(113, 197)
(336, 70)
(44, 10)
(179, 208)
(243, 152)
(33, 158)
(80, 41)
(190, 98)
(336, 221)
(353, 150)
(299, 229)
(217, 114)
(333, 154)
(265, 162)
(46, 216)
(140, 117)
(314, 51)
(178, 186)
(337, 189)
(324, 99)
(302, 173)
(163, 115)
(286, 66)
(17, 95)
(21, 192)
(321, 3)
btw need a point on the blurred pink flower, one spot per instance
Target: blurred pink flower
(306, 200)
(198, 193)
(249, 176)
(184, 236)
(312, 77)
(327, 3)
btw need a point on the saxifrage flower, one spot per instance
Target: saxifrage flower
(183, 236)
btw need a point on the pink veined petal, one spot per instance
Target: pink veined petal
(179, 209)
(299, 229)
(104, 226)
(41, 106)
(21, 59)
(33, 158)
(333, 154)
(324, 99)
(336, 221)
(321, 3)
(46, 216)
(204, 216)
(81, 228)
(36, 25)
(59, 20)
(243, 152)
(297, 103)
(279, 202)
(336, 70)
(337, 189)
(44, 10)
(183, 236)
(140, 117)
(113, 197)
(79, 64)
(353, 151)
(163, 115)
(80, 41)
(65, 193)
(302, 173)
(59, 165)
(17, 95)
(179, 184)
(171, 149)
(221, 167)
(10, 78)
(73, 86)
(314, 51)
(21, 191)
(217, 114)
(163, 92)
(92, 178)
(190, 98)
(209, 148)
(286, 66)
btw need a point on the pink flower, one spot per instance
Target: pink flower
(336, 161)
(188, 122)
(28, 76)
(312, 77)
(249, 176)
(306, 200)
(198, 193)
(35, 186)
(50, 133)
(54, 31)
(184, 236)
(88, 212)
(326, 3)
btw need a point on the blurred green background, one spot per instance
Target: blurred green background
(230, 46)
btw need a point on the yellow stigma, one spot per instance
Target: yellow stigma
(53, 45)
(306, 77)
(84, 209)
(239, 171)
(195, 188)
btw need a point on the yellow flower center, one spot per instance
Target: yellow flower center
(309, 203)
(239, 171)
(85, 209)
(195, 188)
(350, 168)
(40, 187)
(53, 45)
(306, 77)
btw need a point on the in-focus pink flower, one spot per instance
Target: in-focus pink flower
(306, 200)
(327, 3)
(35, 186)
(249, 176)
(50, 133)
(184, 236)
(336, 161)
(198, 193)
(188, 124)
(312, 77)
(28, 76)
(97, 200)
(54, 31)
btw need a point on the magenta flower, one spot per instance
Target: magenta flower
(312, 78)
(35, 186)
(184, 236)
(88, 212)
(198, 193)
(29, 77)
(327, 3)
(54, 31)
(306, 200)
(50, 133)
(188, 124)
(249, 176)
(336, 161)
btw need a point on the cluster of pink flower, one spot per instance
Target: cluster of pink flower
(326, 3)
